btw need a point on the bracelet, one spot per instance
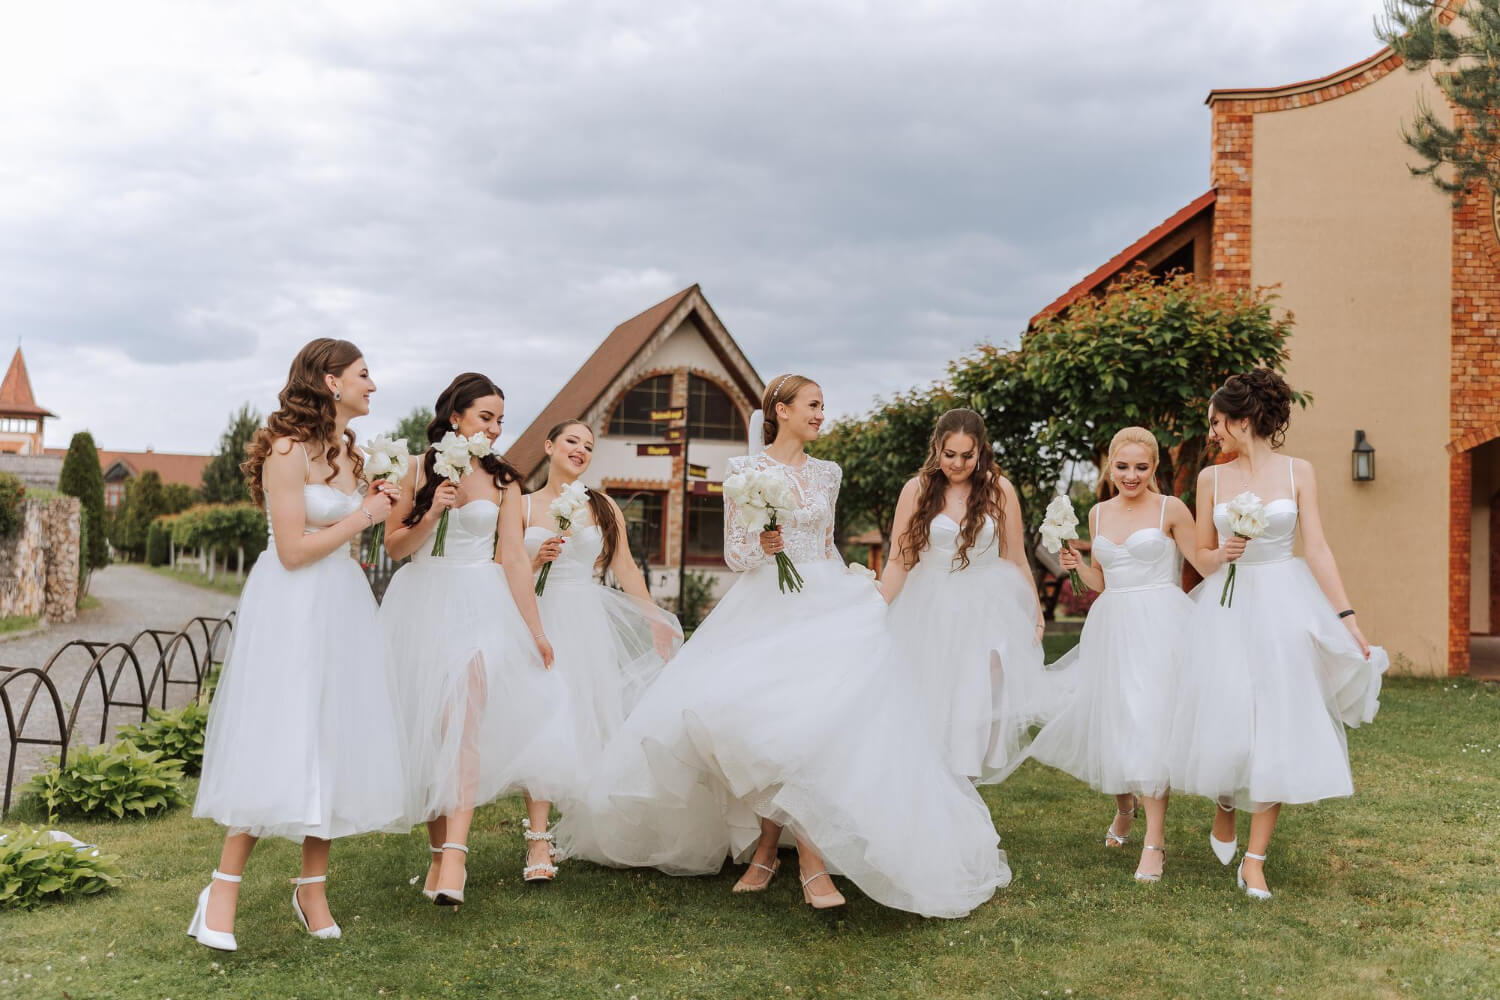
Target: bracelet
(369, 518)
(1347, 613)
(539, 635)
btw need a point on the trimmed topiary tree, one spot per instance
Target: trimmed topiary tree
(82, 478)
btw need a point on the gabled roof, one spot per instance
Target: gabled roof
(1127, 258)
(16, 399)
(173, 467)
(624, 343)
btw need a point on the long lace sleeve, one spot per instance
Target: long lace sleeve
(831, 550)
(742, 549)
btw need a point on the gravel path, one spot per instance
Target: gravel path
(131, 598)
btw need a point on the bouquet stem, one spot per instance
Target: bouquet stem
(1226, 596)
(787, 577)
(377, 537)
(1077, 582)
(441, 535)
(541, 578)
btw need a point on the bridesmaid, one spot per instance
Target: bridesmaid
(483, 715)
(302, 738)
(610, 645)
(1275, 673)
(1113, 735)
(960, 588)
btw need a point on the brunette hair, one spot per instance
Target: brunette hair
(306, 413)
(603, 511)
(985, 498)
(781, 389)
(1124, 436)
(454, 400)
(1263, 397)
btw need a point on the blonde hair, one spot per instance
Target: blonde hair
(1123, 437)
(781, 389)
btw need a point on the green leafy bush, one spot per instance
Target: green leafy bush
(178, 734)
(12, 492)
(158, 542)
(35, 869)
(112, 780)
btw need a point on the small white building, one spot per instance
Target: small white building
(675, 356)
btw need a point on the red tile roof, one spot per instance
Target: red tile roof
(16, 399)
(1127, 257)
(172, 467)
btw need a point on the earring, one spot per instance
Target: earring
(336, 396)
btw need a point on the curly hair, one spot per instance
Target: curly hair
(1124, 436)
(604, 514)
(455, 400)
(1261, 396)
(781, 389)
(985, 497)
(306, 413)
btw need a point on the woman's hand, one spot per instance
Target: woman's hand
(1233, 548)
(445, 497)
(662, 638)
(1041, 628)
(544, 649)
(550, 550)
(377, 505)
(1359, 637)
(1069, 558)
(390, 488)
(771, 541)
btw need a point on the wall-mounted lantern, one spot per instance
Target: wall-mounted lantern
(1363, 458)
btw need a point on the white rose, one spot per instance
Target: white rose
(1060, 511)
(737, 487)
(377, 464)
(480, 445)
(1051, 538)
(1247, 515)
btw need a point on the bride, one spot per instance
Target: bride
(787, 711)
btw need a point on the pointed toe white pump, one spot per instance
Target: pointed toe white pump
(1224, 850)
(199, 930)
(329, 933)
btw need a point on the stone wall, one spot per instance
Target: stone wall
(39, 563)
(35, 471)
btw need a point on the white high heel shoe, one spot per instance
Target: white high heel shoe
(453, 897)
(431, 894)
(1224, 850)
(199, 930)
(1239, 878)
(328, 933)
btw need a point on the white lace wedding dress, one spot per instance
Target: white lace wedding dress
(792, 706)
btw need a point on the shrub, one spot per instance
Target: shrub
(34, 869)
(112, 780)
(158, 539)
(83, 559)
(178, 734)
(81, 477)
(12, 492)
(692, 608)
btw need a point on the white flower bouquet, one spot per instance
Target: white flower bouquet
(1060, 525)
(760, 496)
(571, 504)
(385, 462)
(1247, 519)
(454, 452)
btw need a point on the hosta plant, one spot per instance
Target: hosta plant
(177, 734)
(111, 780)
(35, 869)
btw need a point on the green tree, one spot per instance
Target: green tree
(222, 479)
(82, 478)
(1465, 153)
(178, 497)
(413, 427)
(143, 504)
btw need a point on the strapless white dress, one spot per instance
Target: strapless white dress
(1115, 732)
(791, 706)
(302, 736)
(481, 716)
(947, 622)
(602, 638)
(1271, 680)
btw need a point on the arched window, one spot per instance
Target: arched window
(711, 413)
(633, 413)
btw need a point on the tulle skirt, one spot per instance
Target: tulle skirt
(1269, 686)
(608, 649)
(791, 707)
(982, 707)
(481, 717)
(1115, 733)
(302, 736)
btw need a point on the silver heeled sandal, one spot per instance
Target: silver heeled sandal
(1141, 876)
(1112, 839)
(329, 933)
(544, 871)
(198, 928)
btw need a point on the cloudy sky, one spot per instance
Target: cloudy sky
(189, 191)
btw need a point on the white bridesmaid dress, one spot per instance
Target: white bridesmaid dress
(1114, 734)
(302, 736)
(1271, 680)
(481, 716)
(602, 639)
(791, 706)
(947, 623)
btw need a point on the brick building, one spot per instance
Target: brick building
(1396, 297)
(677, 355)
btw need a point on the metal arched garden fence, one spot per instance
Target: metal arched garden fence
(133, 675)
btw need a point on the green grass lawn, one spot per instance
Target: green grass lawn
(1394, 893)
(224, 582)
(17, 623)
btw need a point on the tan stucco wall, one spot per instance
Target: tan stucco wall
(1362, 253)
